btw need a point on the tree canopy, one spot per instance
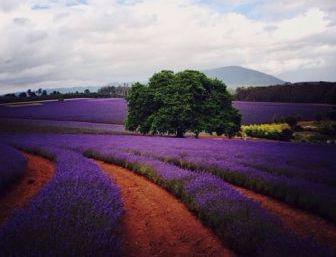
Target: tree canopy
(175, 103)
(301, 92)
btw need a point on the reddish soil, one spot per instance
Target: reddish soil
(39, 172)
(302, 223)
(157, 224)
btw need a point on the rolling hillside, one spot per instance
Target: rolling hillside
(235, 76)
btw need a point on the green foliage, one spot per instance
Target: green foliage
(269, 131)
(292, 121)
(327, 128)
(140, 103)
(323, 131)
(177, 103)
(107, 90)
(332, 114)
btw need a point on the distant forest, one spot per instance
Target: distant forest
(303, 92)
(40, 94)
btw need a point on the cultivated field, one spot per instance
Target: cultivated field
(128, 195)
(115, 110)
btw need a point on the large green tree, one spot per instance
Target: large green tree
(177, 103)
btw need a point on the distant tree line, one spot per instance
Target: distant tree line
(114, 91)
(304, 92)
(120, 91)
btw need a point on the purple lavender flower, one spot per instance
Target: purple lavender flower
(249, 229)
(76, 214)
(12, 165)
(110, 110)
(114, 110)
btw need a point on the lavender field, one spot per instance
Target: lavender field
(267, 112)
(199, 172)
(153, 128)
(87, 110)
(81, 211)
(13, 165)
(115, 111)
(78, 212)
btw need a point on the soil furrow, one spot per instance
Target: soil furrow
(157, 224)
(301, 222)
(39, 172)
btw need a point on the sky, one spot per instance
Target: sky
(62, 43)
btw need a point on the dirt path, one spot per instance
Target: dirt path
(39, 172)
(303, 223)
(157, 224)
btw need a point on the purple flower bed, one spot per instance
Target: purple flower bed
(248, 228)
(111, 110)
(114, 110)
(285, 171)
(282, 170)
(63, 126)
(12, 166)
(266, 112)
(76, 214)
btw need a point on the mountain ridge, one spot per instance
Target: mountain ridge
(232, 76)
(237, 76)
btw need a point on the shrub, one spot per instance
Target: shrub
(292, 121)
(327, 128)
(286, 134)
(332, 114)
(268, 131)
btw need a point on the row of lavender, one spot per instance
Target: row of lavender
(248, 228)
(299, 174)
(76, 214)
(56, 126)
(12, 166)
(88, 110)
(115, 111)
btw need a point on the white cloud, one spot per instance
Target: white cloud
(92, 42)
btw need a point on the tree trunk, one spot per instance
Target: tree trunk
(179, 133)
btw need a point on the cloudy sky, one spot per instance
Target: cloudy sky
(60, 43)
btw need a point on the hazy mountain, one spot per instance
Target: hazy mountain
(235, 76)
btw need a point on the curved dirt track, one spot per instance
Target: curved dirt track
(39, 172)
(302, 223)
(157, 224)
